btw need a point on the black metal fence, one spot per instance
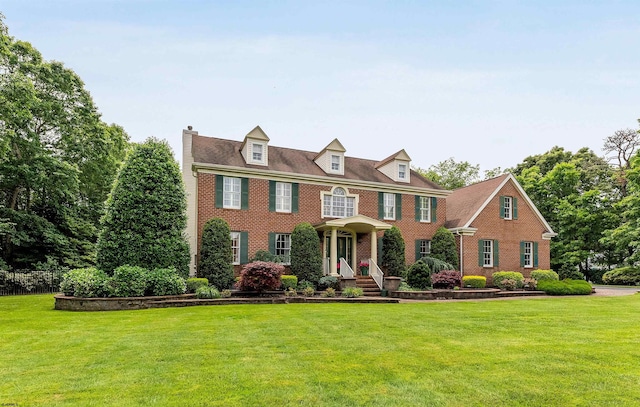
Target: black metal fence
(17, 282)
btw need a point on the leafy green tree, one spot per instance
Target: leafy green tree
(450, 174)
(216, 254)
(145, 215)
(393, 256)
(306, 256)
(57, 160)
(443, 247)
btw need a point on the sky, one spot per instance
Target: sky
(488, 82)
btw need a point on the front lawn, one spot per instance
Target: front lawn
(533, 352)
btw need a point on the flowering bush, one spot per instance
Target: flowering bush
(446, 279)
(508, 284)
(507, 275)
(260, 276)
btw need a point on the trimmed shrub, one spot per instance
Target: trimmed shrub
(216, 254)
(474, 281)
(507, 275)
(165, 282)
(207, 293)
(622, 276)
(446, 279)
(305, 284)
(419, 275)
(260, 276)
(393, 257)
(352, 292)
(540, 275)
(565, 287)
(128, 281)
(145, 214)
(306, 256)
(287, 281)
(443, 247)
(328, 282)
(193, 283)
(84, 283)
(329, 293)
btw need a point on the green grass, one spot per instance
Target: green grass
(535, 352)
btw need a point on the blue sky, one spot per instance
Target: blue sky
(489, 82)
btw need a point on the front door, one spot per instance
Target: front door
(344, 247)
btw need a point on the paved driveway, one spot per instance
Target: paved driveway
(613, 291)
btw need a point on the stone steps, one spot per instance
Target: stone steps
(369, 286)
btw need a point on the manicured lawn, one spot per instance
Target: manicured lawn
(534, 352)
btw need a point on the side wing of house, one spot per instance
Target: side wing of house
(505, 233)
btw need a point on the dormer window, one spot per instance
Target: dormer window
(257, 153)
(254, 147)
(402, 171)
(335, 163)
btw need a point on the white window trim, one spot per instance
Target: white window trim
(422, 241)
(508, 208)
(263, 154)
(236, 249)
(404, 177)
(232, 194)
(529, 246)
(347, 196)
(284, 200)
(340, 163)
(490, 252)
(384, 203)
(286, 258)
(427, 208)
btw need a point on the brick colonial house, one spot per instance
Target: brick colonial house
(264, 191)
(497, 227)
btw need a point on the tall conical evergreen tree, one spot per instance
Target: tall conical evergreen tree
(443, 247)
(393, 256)
(145, 215)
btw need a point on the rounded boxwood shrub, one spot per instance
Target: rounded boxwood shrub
(474, 281)
(194, 282)
(507, 275)
(419, 275)
(288, 281)
(540, 275)
(260, 276)
(446, 279)
(622, 276)
(84, 283)
(565, 287)
(165, 281)
(128, 281)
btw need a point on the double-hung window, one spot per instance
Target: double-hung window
(231, 193)
(487, 253)
(389, 206)
(283, 247)
(402, 171)
(257, 153)
(235, 247)
(527, 254)
(423, 248)
(425, 209)
(283, 197)
(507, 208)
(335, 163)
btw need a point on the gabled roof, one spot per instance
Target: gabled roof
(256, 134)
(210, 151)
(335, 145)
(465, 204)
(400, 155)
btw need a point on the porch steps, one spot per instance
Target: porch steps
(368, 285)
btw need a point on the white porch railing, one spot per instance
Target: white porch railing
(345, 269)
(376, 273)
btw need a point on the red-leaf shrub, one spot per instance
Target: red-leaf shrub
(260, 276)
(446, 279)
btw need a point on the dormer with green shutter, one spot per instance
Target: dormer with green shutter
(255, 147)
(396, 167)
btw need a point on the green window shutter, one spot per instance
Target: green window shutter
(480, 253)
(418, 250)
(496, 254)
(244, 196)
(514, 202)
(272, 196)
(379, 250)
(535, 254)
(434, 208)
(502, 207)
(417, 208)
(398, 206)
(272, 243)
(295, 200)
(380, 205)
(244, 247)
(521, 254)
(219, 191)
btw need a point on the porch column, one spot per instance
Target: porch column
(354, 251)
(374, 246)
(333, 252)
